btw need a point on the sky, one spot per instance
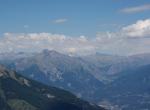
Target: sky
(78, 27)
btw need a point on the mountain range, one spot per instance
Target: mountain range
(20, 93)
(100, 78)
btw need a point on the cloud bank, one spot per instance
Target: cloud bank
(136, 9)
(131, 39)
(140, 29)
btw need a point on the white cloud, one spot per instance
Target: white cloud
(136, 9)
(59, 21)
(105, 42)
(71, 50)
(39, 41)
(140, 29)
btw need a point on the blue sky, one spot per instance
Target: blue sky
(83, 17)
(75, 26)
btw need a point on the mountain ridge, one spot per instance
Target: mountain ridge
(17, 92)
(84, 76)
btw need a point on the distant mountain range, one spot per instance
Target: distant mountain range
(20, 93)
(132, 90)
(53, 68)
(96, 78)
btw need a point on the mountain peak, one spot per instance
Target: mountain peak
(50, 52)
